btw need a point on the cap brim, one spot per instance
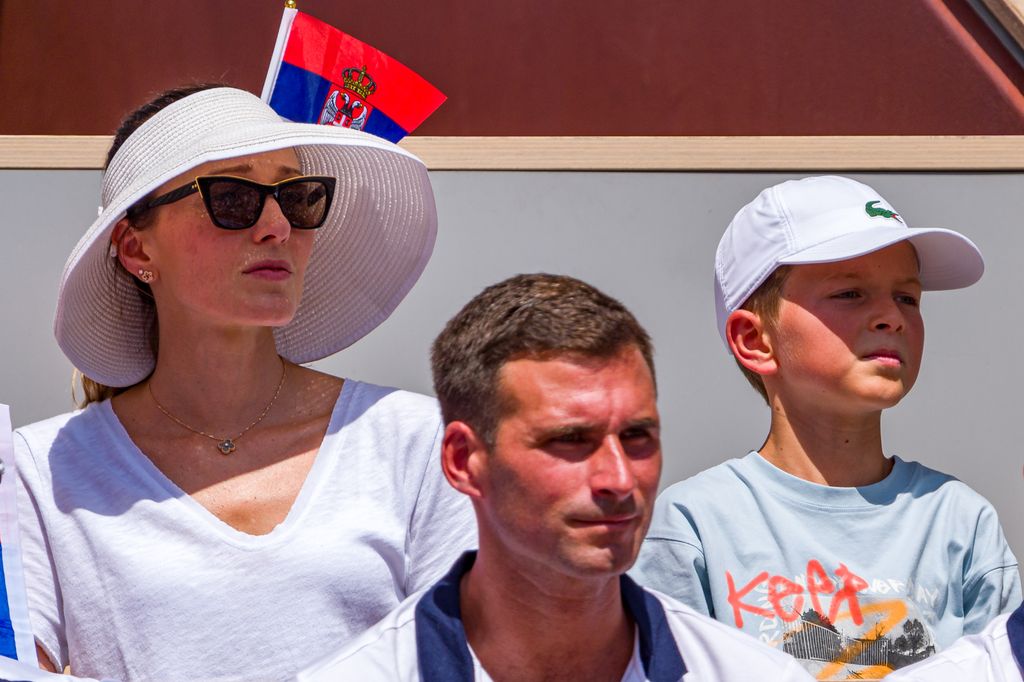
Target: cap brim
(947, 259)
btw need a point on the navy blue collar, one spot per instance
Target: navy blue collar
(444, 656)
(1015, 632)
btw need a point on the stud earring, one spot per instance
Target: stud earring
(146, 276)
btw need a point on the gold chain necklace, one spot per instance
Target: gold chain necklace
(225, 445)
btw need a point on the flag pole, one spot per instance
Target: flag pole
(287, 18)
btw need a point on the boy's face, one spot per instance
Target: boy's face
(849, 335)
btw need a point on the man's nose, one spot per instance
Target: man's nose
(612, 473)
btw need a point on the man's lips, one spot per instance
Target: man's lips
(614, 520)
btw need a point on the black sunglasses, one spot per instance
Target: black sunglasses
(237, 203)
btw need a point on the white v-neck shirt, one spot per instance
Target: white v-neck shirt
(130, 578)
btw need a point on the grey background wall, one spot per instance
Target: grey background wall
(648, 239)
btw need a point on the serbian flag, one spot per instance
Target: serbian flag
(320, 75)
(16, 639)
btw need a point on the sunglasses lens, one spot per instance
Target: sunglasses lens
(233, 205)
(236, 203)
(304, 203)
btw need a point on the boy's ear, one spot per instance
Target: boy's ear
(463, 458)
(750, 342)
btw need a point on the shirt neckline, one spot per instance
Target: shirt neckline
(811, 494)
(634, 669)
(443, 653)
(226, 531)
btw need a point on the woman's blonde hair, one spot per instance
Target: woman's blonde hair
(92, 391)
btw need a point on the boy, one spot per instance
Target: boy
(851, 561)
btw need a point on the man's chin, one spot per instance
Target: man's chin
(603, 561)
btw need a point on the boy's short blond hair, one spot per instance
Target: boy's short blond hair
(764, 303)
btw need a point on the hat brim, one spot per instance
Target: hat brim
(947, 259)
(372, 248)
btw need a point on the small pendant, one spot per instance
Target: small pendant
(226, 446)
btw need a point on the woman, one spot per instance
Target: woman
(218, 511)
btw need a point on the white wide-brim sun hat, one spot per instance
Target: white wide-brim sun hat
(373, 246)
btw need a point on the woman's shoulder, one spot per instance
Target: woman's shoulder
(352, 396)
(61, 441)
(67, 426)
(386, 418)
(389, 401)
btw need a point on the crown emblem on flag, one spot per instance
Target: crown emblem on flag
(358, 81)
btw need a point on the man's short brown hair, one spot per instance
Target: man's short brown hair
(526, 316)
(764, 303)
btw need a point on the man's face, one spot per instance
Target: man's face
(849, 335)
(572, 476)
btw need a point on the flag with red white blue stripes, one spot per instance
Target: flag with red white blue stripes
(319, 74)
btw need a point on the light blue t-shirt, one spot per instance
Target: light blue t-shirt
(855, 582)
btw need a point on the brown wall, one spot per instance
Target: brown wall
(537, 67)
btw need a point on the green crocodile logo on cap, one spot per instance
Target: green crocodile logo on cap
(873, 211)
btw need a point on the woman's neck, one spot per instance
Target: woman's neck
(227, 373)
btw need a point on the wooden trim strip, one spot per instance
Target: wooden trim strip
(1009, 13)
(53, 151)
(844, 153)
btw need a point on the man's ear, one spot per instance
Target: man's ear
(463, 458)
(751, 342)
(131, 248)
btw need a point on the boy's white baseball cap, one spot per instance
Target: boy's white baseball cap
(822, 220)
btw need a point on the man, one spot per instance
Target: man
(548, 394)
